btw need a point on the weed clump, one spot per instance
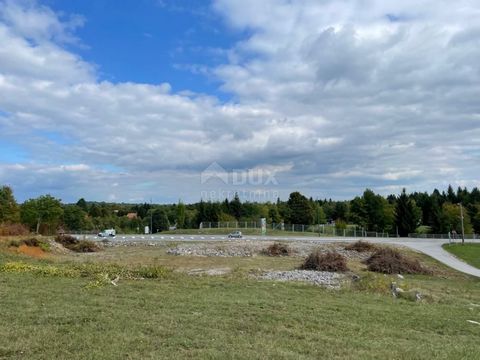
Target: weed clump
(277, 249)
(72, 243)
(391, 261)
(361, 246)
(329, 261)
(31, 242)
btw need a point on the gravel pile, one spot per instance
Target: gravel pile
(246, 249)
(202, 250)
(321, 278)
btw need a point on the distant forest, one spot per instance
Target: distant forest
(437, 213)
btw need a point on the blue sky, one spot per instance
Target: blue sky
(133, 100)
(152, 41)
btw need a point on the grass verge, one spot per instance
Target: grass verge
(470, 252)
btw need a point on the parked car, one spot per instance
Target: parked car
(107, 233)
(235, 235)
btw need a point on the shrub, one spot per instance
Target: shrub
(32, 242)
(361, 246)
(277, 249)
(72, 243)
(330, 261)
(84, 246)
(8, 229)
(66, 240)
(391, 261)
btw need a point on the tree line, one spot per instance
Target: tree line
(437, 212)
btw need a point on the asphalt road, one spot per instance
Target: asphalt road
(430, 247)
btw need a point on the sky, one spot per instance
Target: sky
(162, 100)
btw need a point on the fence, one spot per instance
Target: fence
(444, 236)
(315, 230)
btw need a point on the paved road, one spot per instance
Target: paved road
(430, 247)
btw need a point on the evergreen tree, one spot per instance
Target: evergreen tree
(82, 204)
(9, 210)
(300, 209)
(236, 207)
(407, 214)
(180, 215)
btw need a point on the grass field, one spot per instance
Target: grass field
(470, 252)
(234, 316)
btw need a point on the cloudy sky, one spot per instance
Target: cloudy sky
(133, 100)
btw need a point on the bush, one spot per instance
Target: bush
(13, 230)
(391, 261)
(277, 249)
(84, 246)
(72, 243)
(330, 261)
(361, 246)
(66, 240)
(32, 242)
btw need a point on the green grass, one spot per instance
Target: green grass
(218, 318)
(469, 252)
(226, 317)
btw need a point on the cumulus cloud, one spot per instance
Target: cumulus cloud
(337, 95)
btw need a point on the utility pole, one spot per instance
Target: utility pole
(463, 229)
(151, 217)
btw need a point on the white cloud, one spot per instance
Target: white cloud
(339, 95)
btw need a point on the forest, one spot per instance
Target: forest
(418, 212)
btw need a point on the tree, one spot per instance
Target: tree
(82, 204)
(44, 210)
(340, 210)
(452, 219)
(9, 210)
(407, 215)
(236, 207)
(159, 220)
(180, 215)
(476, 219)
(358, 214)
(320, 217)
(274, 215)
(300, 209)
(74, 217)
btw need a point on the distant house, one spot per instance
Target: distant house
(132, 215)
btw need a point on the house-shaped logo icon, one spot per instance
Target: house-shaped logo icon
(214, 170)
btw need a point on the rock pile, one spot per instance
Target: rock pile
(199, 250)
(321, 278)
